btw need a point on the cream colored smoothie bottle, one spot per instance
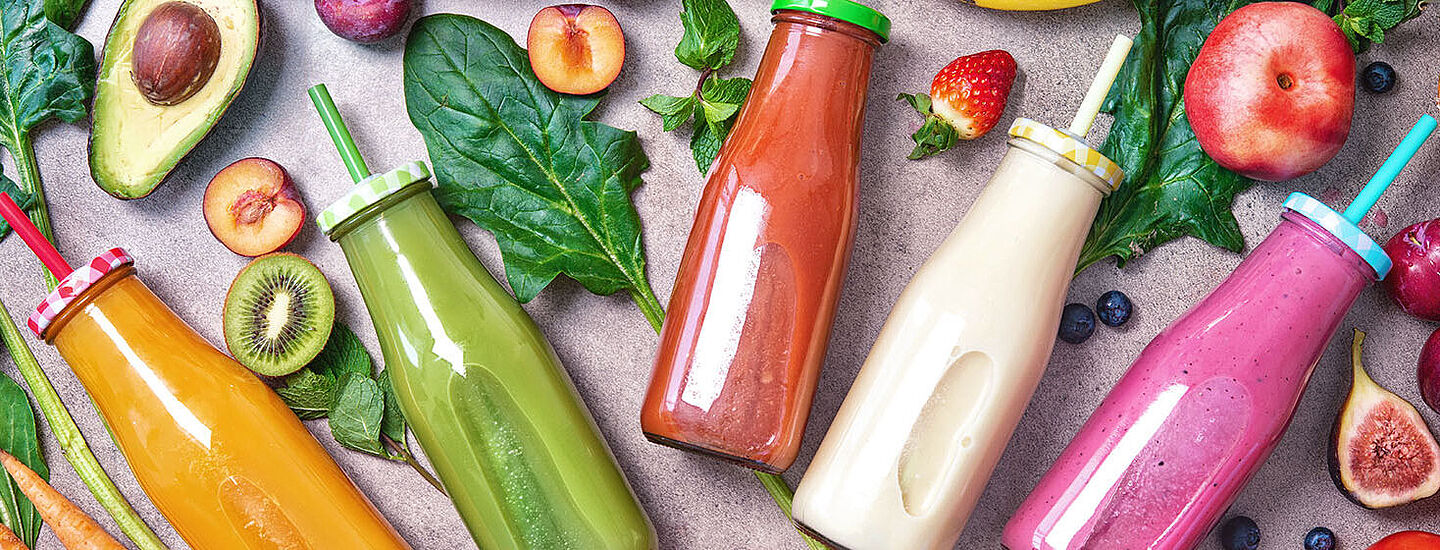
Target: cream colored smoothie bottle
(945, 384)
(963, 350)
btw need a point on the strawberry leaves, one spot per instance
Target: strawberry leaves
(1172, 188)
(712, 35)
(935, 135)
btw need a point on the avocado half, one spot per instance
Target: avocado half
(134, 144)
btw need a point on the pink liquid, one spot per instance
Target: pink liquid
(1201, 408)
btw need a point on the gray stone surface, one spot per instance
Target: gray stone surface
(907, 208)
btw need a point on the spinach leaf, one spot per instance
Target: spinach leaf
(712, 34)
(522, 162)
(18, 437)
(22, 199)
(355, 418)
(45, 71)
(1172, 188)
(64, 12)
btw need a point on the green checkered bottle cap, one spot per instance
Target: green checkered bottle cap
(370, 191)
(844, 10)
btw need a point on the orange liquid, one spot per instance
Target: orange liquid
(217, 452)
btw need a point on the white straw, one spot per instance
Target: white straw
(1101, 86)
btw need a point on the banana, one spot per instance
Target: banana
(1029, 5)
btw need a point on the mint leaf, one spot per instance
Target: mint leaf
(725, 90)
(18, 436)
(309, 394)
(716, 113)
(22, 199)
(355, 420)
(705, 143)
(721, 99)
(1172, 188)
(343, 354)
(392, 420)
(674, 111)
(1366, 21)
(712, 34)
(522, 162)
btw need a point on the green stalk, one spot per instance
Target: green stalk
(72, 442)
(774, 484)
(29, 172)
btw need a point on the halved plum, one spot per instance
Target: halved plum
(576, 48)
(252, 207)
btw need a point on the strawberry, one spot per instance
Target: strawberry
(966, 101)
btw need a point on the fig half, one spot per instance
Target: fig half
(1382, 453)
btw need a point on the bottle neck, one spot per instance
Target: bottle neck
(364, 217)
(85, 299)
(825, 23)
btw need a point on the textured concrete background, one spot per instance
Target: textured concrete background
(907, 208)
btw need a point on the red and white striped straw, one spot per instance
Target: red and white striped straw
(31, 235)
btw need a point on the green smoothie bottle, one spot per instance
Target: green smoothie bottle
(488, 400)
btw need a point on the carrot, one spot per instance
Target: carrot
(75, 530)
(8, 540)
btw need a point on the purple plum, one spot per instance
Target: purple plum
(364, 21)
(1415, 280)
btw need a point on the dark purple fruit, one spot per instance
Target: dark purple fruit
(1430, 371)
(364, 21)
(1382, 453)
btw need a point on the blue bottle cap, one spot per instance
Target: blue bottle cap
(1342, 229)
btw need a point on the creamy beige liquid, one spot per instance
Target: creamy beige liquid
(936, 402)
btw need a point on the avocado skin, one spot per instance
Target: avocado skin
(115, 83)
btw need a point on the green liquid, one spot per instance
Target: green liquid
(488, 400)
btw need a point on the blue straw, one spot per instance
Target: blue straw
(1391, 169)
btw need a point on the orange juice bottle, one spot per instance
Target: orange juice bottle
(217, 452)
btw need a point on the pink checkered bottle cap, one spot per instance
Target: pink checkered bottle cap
(74, 285)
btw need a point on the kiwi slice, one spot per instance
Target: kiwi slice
(278, 314)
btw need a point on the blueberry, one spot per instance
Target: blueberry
(1378, 77)
(1077, 323)
(1240, 533)
(1114, 308)
(1320, 538)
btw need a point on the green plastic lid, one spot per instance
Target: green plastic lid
(844, 10)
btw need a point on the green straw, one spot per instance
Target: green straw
(1391, 169)
(338, 133)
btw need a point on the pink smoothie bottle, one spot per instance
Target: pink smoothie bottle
(1206, 402)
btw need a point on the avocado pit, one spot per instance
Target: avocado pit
(176, 51)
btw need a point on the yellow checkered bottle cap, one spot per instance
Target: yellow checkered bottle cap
(1070, 147)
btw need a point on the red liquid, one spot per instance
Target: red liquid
(751, 311)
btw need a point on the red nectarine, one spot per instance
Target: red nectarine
(1272, 91)
(576, 48)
